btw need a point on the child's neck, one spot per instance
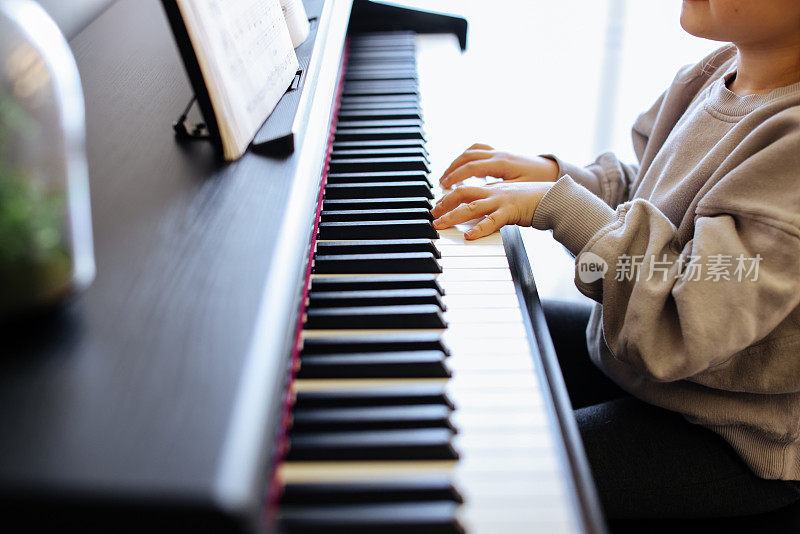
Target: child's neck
(763, 69)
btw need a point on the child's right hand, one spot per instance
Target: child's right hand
(482, 160)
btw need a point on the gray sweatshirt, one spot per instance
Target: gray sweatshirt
(699, 308)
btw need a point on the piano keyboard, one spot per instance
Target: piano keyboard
(417, 404)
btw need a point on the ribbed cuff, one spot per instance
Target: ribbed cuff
(581, 175)
(573, 212)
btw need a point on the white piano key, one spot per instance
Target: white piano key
(490, 348)
(486, 331)
(475, 467)
(536, 463)
(480, 300)
(462, 381)
(306, 472)
(471, 331)
(459, 384)
(465, 287)
(474, 275)
(528, 397)
(536, 440)
(455, 236)
(474, 262)
(555, 519)
(490, 365)
(306, 334)
(479, 249)
(356, 384)
(476, 315)
(477, 418)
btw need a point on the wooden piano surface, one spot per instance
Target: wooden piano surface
(164, 342)
(155, 391)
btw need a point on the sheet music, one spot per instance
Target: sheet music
(247, 60)
(296, 20)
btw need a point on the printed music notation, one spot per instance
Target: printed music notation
(247, 59)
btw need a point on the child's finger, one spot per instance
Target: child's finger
(479, 168)
(480, 146)
(465, 212)
(488, 225)
(456, 197)
(467, 156)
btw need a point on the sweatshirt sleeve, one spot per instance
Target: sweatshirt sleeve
(608, 177)
(682, 310)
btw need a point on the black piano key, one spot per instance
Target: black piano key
(414, 228)
(377, 246)
(409, 152)
(376, 203)
(404, 59)
(406, 444)
(412, 100)
(380, 281)
(423, 488)
(356, 165)
(378, 190)
(382, 45)
(362, 176)
(391, 214)
(376, 317)
(371, 418)
(379, 43)
(402, 132)
(389, 89)
(379, 37)
(380, 123)
(383, 37)
(371, 73)
(381, 107)
(406, 395)
(355, 134)
(360, 62)
(358, 50)
(368, 74)
(337, 344)
(380, 297)
(407, 364)
(432, 517)
(369, 48)
(383, 55)
(364, 75)
(373, 203)
(393, 262)
(366, 144)
(379, 52)
(382, 113)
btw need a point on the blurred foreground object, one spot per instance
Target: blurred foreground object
(46, 249)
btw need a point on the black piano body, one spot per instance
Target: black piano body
(156, 399)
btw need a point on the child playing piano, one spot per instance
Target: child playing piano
(693, 258)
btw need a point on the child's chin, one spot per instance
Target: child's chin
(697, 28)
(694, 19)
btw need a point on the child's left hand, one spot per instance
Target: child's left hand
(499, 204)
